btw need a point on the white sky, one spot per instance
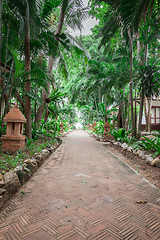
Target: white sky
(88, 24)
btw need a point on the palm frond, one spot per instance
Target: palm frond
(77, 45)
(63, 66)
(34, 96)
(48, 7)
(76, 14)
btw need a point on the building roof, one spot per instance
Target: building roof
(14, 115)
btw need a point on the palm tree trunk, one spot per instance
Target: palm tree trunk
(138, 47)
(140, 113)
(105, 99)
(0, 33)
(119, 116)
(135, 116)
(149, 113)
(19, 99)
(28, 125)
(146, 54)
(1, 80)
(62, 16)
(147, 108)
(44, 93)
(142, 96)
(131, 85)
(95, 102)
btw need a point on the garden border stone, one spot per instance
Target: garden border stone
(11, 181)
(137, 152)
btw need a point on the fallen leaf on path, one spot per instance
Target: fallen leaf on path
(95, 186)
(84, 182)
(142, 201)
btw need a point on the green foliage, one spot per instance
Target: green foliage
(130, 140)
(48, 7)
(156, 133)
(150, 145)
(49, 129)
(120, 134)
(65, 125)
(149, 80)
(8, 161)
(56, 94)
(19, 65)
(100, 128)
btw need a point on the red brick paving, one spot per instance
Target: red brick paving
(82, 192)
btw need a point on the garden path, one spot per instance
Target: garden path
(83, 191)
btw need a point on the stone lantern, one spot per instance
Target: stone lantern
(13, 140)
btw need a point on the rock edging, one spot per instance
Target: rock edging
(148, 158)
(11, 181)
(125, 147)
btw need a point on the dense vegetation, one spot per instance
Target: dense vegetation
(55, 77)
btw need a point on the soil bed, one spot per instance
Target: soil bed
(151, 173)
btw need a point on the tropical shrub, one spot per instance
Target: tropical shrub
(156, 133)
(121, 135)
(66, 126)
(51, 128)
(150, 145)
(99, 128)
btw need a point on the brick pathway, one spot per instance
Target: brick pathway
(83, 192)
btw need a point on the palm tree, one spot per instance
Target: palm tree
(0, 48)
(28, 125)
(27, 13)
(127, 14)
(132, 11)
(73, 13)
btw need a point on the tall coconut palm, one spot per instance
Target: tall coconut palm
(114, 22)
(127, 14)
(72, 12)
(28, 14)
(0, 47)
(0, 33)
(27, 70)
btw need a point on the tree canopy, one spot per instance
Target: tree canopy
(55, 76)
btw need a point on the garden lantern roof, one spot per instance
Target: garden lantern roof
(14, 115)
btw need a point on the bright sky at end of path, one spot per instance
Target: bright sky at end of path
(88, 24)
